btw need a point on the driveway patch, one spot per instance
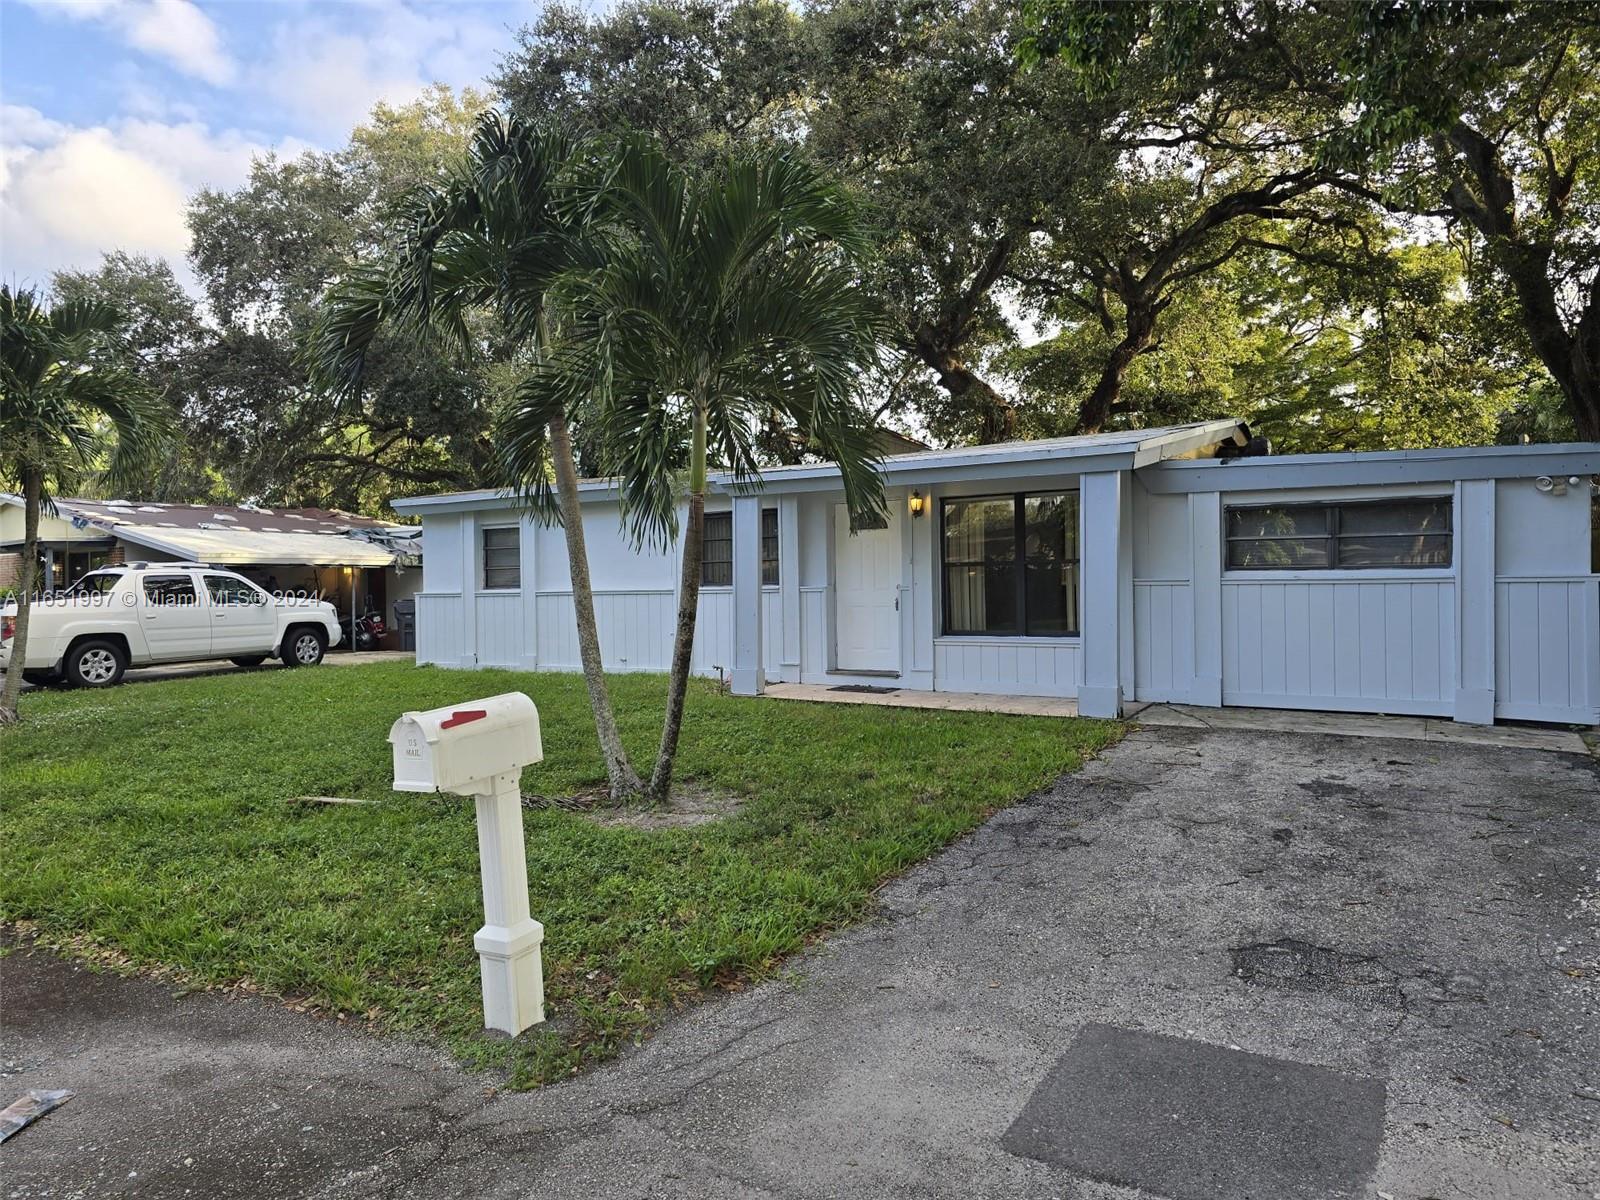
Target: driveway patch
(1196, 1121)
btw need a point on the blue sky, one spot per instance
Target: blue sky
(114, 112)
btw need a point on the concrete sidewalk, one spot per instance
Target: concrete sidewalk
(1401, 937)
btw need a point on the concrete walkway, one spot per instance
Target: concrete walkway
(1021, 706)
(1385, 951)
(1369, 725)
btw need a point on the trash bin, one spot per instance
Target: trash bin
(405, 623)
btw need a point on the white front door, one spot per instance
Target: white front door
(867, 594)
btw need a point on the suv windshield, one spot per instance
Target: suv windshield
(96, 583)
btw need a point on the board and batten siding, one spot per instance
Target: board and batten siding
(1009, 666)
(635, 629)
(1353, 645)
(502, 632)
(1547, 648)
(1163, 639)
(442, 630)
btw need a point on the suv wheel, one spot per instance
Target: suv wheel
(96, 663)
(304, 646)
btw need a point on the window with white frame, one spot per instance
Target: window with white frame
(502, 557)
(1341, 535)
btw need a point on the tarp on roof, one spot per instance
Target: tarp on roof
(245, 546)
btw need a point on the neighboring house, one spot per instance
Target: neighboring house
(340, 555)
(1155, 565)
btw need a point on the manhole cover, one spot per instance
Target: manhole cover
(1298, 966)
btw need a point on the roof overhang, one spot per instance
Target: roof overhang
(1008, 462)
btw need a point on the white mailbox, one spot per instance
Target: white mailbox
(454, 749)
(478, 749)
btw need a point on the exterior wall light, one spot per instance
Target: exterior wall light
(918, 504)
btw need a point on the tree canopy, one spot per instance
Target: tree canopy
(1372, 224)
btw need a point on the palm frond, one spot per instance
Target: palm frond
(77, 318)
(736, 293)
(66, 409)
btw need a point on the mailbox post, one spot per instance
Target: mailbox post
(478, 749)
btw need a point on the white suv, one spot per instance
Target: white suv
(147, 613)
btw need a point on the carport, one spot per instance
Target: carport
(349, 560)
(342, 570)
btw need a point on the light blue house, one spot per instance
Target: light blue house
(1153, 565)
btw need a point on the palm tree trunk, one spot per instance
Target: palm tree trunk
(624, 780)
(33, 498)
(688, 611)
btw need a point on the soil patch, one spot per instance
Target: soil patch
(689, 805)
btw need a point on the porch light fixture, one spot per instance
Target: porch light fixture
(917, 504)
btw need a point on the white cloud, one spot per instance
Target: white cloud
(183, 35)
(70, 193)
(330, 74)
(176, 31)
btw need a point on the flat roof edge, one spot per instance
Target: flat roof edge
(1354, 468)
(1429, 453)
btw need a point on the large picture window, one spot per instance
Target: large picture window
(502, 557)
(1010, 565)
(716, 549)
(1356, 535)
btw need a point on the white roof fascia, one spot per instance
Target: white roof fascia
(929, 475)
(1291, 472)
(820, 477)
(453, 501)
(1177, 442)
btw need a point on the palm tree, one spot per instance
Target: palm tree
(719, 302)
(492, 235)
(66, 409)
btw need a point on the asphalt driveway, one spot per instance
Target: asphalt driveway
(1212, 964)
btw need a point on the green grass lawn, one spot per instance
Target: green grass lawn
(154, 822)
